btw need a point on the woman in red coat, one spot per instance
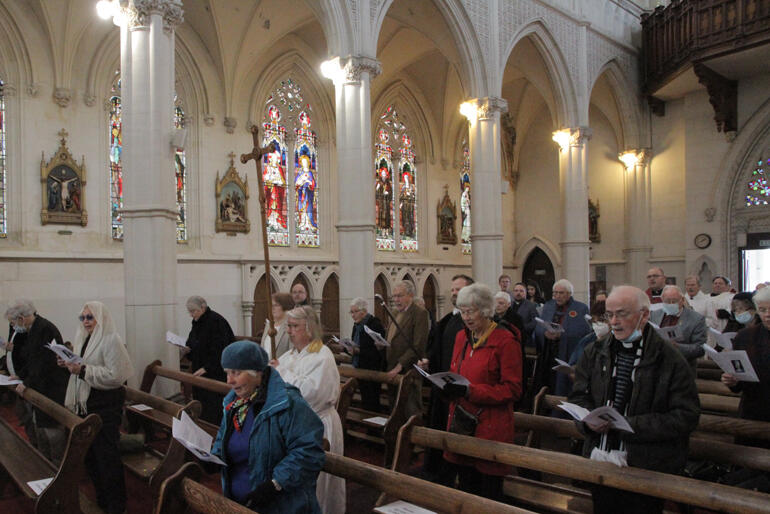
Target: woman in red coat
(489, 356)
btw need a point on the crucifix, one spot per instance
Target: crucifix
(255, 155)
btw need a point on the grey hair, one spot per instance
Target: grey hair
(566, 284)
(312, 325)
(476, 295)
(642, 300)
(196, 302)
(21, 307)
(419, 301)
(360, 304)
(671, 287)
(251, 372)
(762, 295)
(502, 295)
(407, 286)
(696, 278)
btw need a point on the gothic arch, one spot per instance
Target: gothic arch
(15, 61)
(626, 101)
(550, 249)
(305, 274)
(333, 17)
(562, 82)
(385, 274)
(255, 273)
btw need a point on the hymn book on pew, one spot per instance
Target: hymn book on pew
(38, 486)
(553, 328)
(735, 362)
(604, 413)
(194, 438)
(442, 379)
(401, 507)
(5, 381)
(64, 353)
(379, 341)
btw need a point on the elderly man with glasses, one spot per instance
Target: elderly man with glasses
(656, 280)
(648, 381)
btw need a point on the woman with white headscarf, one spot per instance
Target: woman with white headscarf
(96, 387)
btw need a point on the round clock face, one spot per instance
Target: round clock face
(702, 241)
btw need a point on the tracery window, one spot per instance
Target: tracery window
(393, 139)
(759, 189)
(465, 201)
(286, 112)
(3, 183)
(116, 167)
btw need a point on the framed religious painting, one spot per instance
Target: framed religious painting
(446, 214)
(63, 184)
(232, 201)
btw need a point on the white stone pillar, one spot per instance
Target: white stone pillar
(638, 245)
(573, 179)
(355, 178)
(486, 199)
(247, 309)
(149, 213)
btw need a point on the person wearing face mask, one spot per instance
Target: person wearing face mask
(650, 383)
(742, 313)
(599, 329)
(692, 326)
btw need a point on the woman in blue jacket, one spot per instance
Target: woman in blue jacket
(270, 438)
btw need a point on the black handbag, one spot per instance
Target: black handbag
(464, 422)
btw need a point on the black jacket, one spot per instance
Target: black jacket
(18, 355)
(441, 342)
(369, 356)
(664, 407)
(755, 403)
(41, 372)
(208, 338)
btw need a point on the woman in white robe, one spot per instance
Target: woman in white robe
(310, 366)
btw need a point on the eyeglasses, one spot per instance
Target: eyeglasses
(89, 317)
(608, 315)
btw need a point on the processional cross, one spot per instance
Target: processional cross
(255, 155)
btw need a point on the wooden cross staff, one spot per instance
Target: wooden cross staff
(256, 154)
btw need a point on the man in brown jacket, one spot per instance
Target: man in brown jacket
(407, 346)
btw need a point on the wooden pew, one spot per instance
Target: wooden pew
(182, 491)
(21, 463)
(714, 387)
(150, 465)
(661, 485)
(345, 399)
(397, 415)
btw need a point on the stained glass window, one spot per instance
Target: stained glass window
(3, 205)
(180, 172)
(393, 139)
(759, 189)
(116, 168)
(465, 201)
(287, 112)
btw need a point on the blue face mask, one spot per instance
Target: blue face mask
(635, 335)
(672, 309)
(18, 329)
(743, 317)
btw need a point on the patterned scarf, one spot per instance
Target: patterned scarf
(239, 408)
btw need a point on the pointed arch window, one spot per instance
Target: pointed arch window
(287, 114)
(465, 200)
(393, 140)
(3, 183)
(758, 187)
(116, 167)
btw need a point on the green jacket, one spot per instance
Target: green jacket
(664, 406)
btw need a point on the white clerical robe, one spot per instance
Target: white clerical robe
(699, 302)
(314, 372)
(721, 301)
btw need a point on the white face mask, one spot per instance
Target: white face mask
(744, 317)
(601, 329)
(672, 309)
(19, 329)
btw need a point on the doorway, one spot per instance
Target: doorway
(755, 261)
(538, 269)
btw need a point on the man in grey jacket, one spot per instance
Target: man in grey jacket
(692, 325)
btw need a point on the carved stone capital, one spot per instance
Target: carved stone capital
(353, 67)
(709, 214)
(579, 136)
(230, 124)
(488, 106)
(209, 120)
(33, 89)
(138, 13)
(62, 96)
(89, 99)
(8, 90)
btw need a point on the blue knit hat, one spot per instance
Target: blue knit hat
(244, 355)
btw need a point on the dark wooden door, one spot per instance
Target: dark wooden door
(381, 288)
(429, 295)
(538, 268)
(330, 307)
(259, 313)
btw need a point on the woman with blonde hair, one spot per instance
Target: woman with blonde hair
(96, 387)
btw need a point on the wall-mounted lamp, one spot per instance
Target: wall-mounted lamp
(107, 9)
(629, 159)
(562, 138)
(470, 111)
(332, 70)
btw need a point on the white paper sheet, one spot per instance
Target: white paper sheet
(562, 367)
(141, 407)
(724, 340)
(605, 413)
(669, 334)
(6, 381)
(735, 362)
(379, 341)
(377, 420)
(175, 339)
(346, 343)
(443, 378)
(64, 353)
(554, 328)
(39, 485)
(402, 507)
(194, 438)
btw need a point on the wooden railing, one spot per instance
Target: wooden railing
(692, 30)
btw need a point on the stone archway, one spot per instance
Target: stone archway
(538, 268)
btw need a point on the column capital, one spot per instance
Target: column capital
(488, 106)
(138, 13)
(579, 136)
(350, 69)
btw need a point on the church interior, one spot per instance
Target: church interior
(396, 140)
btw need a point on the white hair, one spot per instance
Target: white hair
(478, 296)
(566, 284)
(360, 304)
(502, 295)
(642, 300)
(21, 307)
(763, 295)
(671, 287)
(196, 302)
(407, 286)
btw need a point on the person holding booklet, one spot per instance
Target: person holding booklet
(489, 358)
(366, 355)
(96, 387)
(691, 326)
(270, 438)
(755, 341)
(648, 382)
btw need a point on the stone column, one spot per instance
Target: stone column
(573, 179)
(149, 213)
(486, 199)
(247, 309)
(638, 246)
(355, 178)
